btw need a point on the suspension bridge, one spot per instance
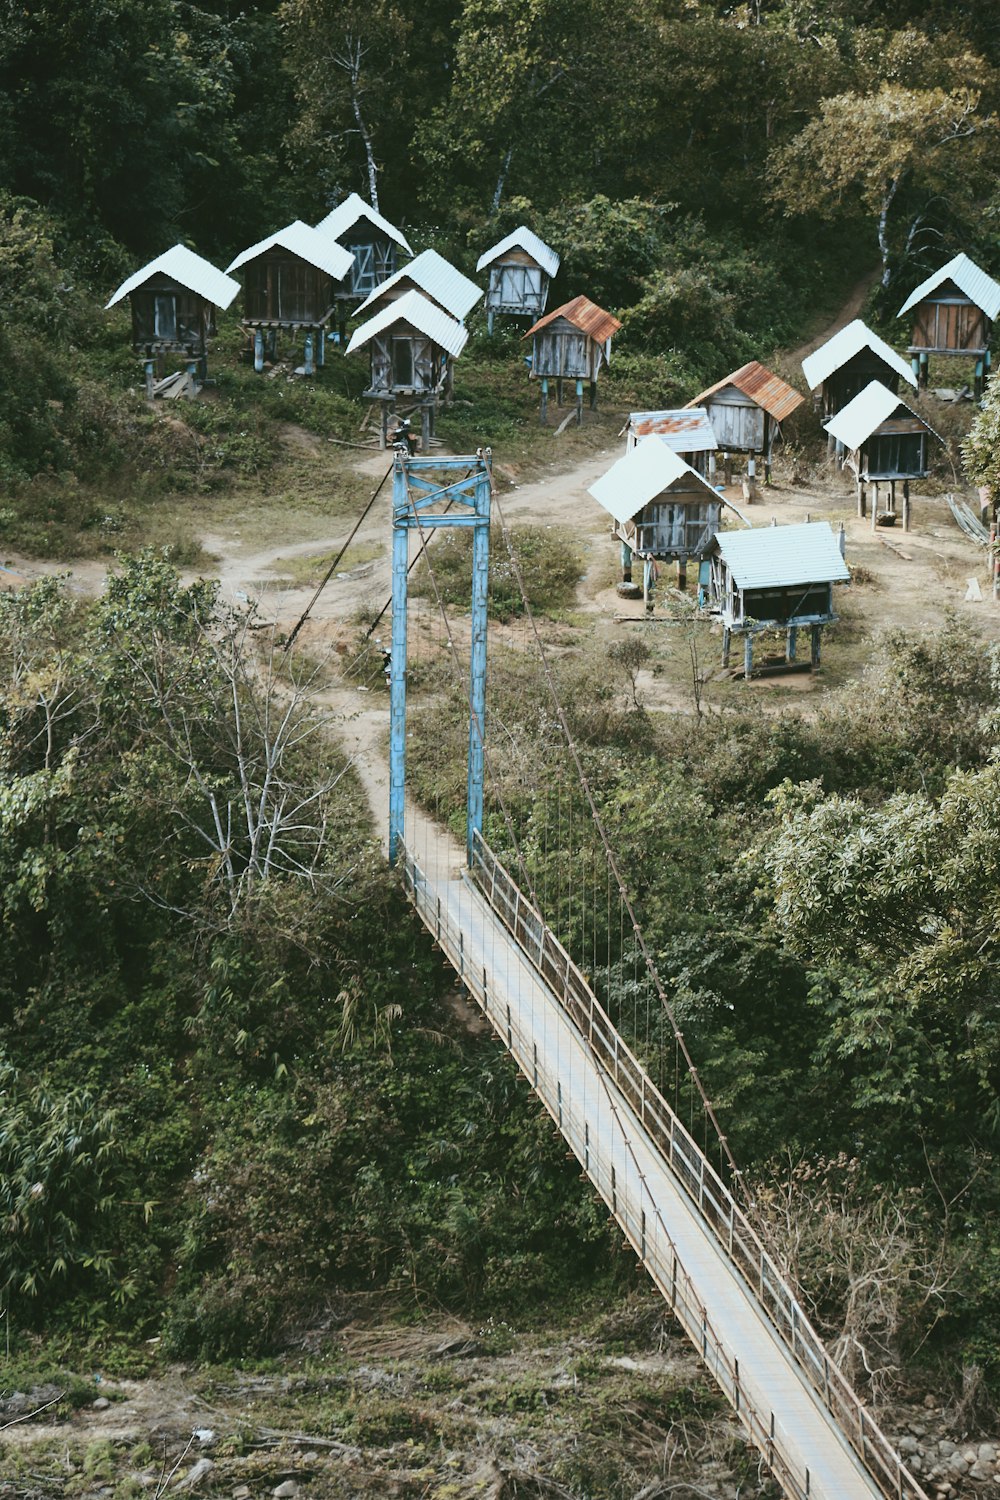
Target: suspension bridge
(721, 1281)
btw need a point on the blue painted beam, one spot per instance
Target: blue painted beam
(397, 661)
(477, 659)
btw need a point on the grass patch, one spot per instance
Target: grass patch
(549, 566)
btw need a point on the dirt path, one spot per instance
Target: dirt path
(850, 310)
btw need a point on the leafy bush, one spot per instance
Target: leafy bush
(549, 568)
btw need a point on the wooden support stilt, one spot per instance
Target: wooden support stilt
(426, 422)
(814, 633)
(862, 505)
(748, 656)
(727, 469)
(593, 395)
(906, 505)
(842, 539)
(559, 390)
(489, 322)
(874, 504)
(579, 402)
(308, 362)
(545, 401)
(321, 348)
(791, 641)
(383, 437)
(647, 584)
(150, 376)
(727, 641)
(272, 346)
(682, 574)
(892, 497)
(258, 350)
(626, 563)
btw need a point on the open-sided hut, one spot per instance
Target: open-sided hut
(746, 411)
(882, 440)
(411, 342)
(845, 364)
(688, 432)
(663, 510)
(373, 243)
(775, 577)
(571, 343)
(173, 301)
(953, 313)
(521, 267)
(290, 282)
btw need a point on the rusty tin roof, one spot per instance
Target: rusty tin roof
(775, 395)
(583, 314)
(686, 431)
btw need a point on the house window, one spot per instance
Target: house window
(402, 362)
(165, 317)
(363, 278)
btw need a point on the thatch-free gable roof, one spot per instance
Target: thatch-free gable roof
(188, 269)
(584, 315)
(970, 279)
(687, 430)
(645, 472)
(768, 390)
(524, 239)
(342, 219)
(868, 410)
(436, 277)
(447, 332)
(307, 244)
(843, 346)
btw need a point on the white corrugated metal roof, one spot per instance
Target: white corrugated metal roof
(782, 556)
(191, 270)
(344, 217)
(438, 278)
(640, 476)
(843, 346)
(414, 308)
(871, 407)
(968, 277)
(522, 238)
(687, 430)
(308, 244)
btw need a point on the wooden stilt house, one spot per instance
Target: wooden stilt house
(746, 411)
(521, 266)
(571, 344)
(173, 301)
(663, 510)
(374, 244)
(688, 432)
(433, 277)
(953, 313)
(775, 577)
(290, 284)
(411, 342)
(847, 362)
(882, 441)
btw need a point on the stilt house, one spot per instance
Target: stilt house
(845, 364)
(571, 344)
(953, 313)
(521, 267)
(775, 577)
(290, 283)
(435, 278)
(688, 432)
(373, 244)
(746, 410)
(173, 301)
(411, 342)
(663, 509)
(882, 440)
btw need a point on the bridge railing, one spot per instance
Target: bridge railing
(640, 1221)
(681, 1153)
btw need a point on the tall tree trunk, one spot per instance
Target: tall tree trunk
(883, 231)
(501, 180)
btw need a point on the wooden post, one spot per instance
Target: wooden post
(489, 322)
(593, 395)
(545, 401)
(768, 447)
(579, 403)
(842, 540)
(559, 390)
(308, 363)
(682, 575)
(874, 503)
(790, 642)
(892, 497)
(727, 640)
(906, 505)
(647, 584)
(748, 656)
(321, 348)
(383, 437)
(258, 350)
(862, 506)
(150, 370)
(727, 469)
(626, 563)
(272, 345)
(426, 412)
(814, 633)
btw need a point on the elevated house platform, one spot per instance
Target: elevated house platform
(411, 342)
(775, 578)
(290, 283)
(521, 267)
(571, 343)
(882, 441)
(746, 410)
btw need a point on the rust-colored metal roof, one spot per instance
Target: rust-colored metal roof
(775, 395)
(583, 314)
(685, 431)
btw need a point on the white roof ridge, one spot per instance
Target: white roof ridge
(438, 278)
(414, 307)
(843, 345)
(644, 472)
(978, 286)
(191, 270)
(783, 556)
(525, 239)
(346, 214)
(301, 239)
(855, 422)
